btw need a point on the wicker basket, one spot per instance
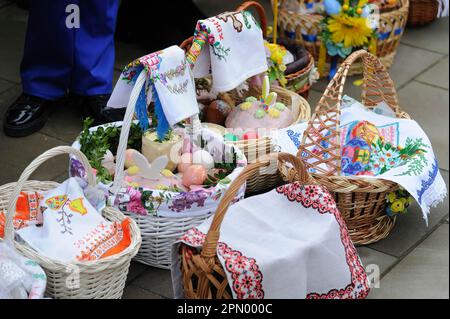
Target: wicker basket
(304, 29)
(160, 232)
(203, 275)
(267, 179)
(104, 278)
(422, 12)
(361, 201)
(264, 179)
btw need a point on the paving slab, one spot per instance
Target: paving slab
(156, 281)
(437, 75)
(422, 274)
(136, 269)
(404, 70)
(410, 229)
(8, 97)
(370, 257)
(433, 37)
(429, 106)
(12, 34)
(17, 153)
(5, 85)
(135, 292)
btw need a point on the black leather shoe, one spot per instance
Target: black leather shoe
(26, 115)
(95, 106)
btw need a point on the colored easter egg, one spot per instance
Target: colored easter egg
(185, 162)
(250, 136)
(216, 112)
(129, 161)
(367, 131)
(194, 175)
(231, 137)
(355, 156)
(202, 157)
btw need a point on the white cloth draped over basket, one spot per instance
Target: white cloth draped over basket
(234, 50)
(418, 173)
(299, 248)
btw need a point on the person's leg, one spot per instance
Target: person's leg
(46, 67)
(49, 50)
(94, 48)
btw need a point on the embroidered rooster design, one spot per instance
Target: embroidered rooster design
(237, 25)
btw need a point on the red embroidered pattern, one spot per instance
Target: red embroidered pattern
(319, 198)
(245, 273)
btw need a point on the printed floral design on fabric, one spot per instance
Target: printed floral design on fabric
(320, 199)
(203, 32)
(371, 150)
(245, 273)
(295, 137)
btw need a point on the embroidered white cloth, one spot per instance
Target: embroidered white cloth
(300, 248)
(403, 154)
(172, 78)
(73, 229)
(20, 277)
(234, 50)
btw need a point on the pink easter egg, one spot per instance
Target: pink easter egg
(194, 175)
(250, 136)
(185, 162)
(129, 161)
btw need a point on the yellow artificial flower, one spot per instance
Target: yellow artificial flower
(397, 206)
(392, 197)
(352, 31)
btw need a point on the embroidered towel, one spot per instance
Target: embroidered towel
(73, 229)
(168, 73)
(300, 248)
(234, 50)
(374, 144)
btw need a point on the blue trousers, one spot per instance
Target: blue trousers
(58, 59)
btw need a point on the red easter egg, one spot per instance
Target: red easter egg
(250, 136)
(194, 175)
(185, 162)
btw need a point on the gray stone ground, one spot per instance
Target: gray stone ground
(414, 259)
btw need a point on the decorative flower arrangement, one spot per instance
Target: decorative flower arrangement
(346, 27)
(398, 202)
(275, 54)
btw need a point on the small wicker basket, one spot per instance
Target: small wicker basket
(361, 201)
(101, 279)
(305, 28)
(203, 275)
(422, 12)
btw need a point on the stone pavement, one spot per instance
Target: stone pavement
(414, 259)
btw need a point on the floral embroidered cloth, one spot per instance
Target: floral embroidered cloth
(300, 248)
(73, 230)
(375, 144)
(20, 277)
(169, 79)
(230, 46)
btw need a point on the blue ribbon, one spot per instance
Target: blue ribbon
(163, 125)
(290, 34)
(141, 109)
(309, 37)
(333, 67)
(385, 35)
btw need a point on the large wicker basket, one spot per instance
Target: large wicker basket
(305, 28)
(264, 179)
(104, 278)
(422, 12)
(202, 274)
(160, 232)
(361, 201)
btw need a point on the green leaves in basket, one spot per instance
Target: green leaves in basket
(95, 144)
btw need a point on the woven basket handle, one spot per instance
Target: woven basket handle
(59, 150)
(323, 130)
(210, 246)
